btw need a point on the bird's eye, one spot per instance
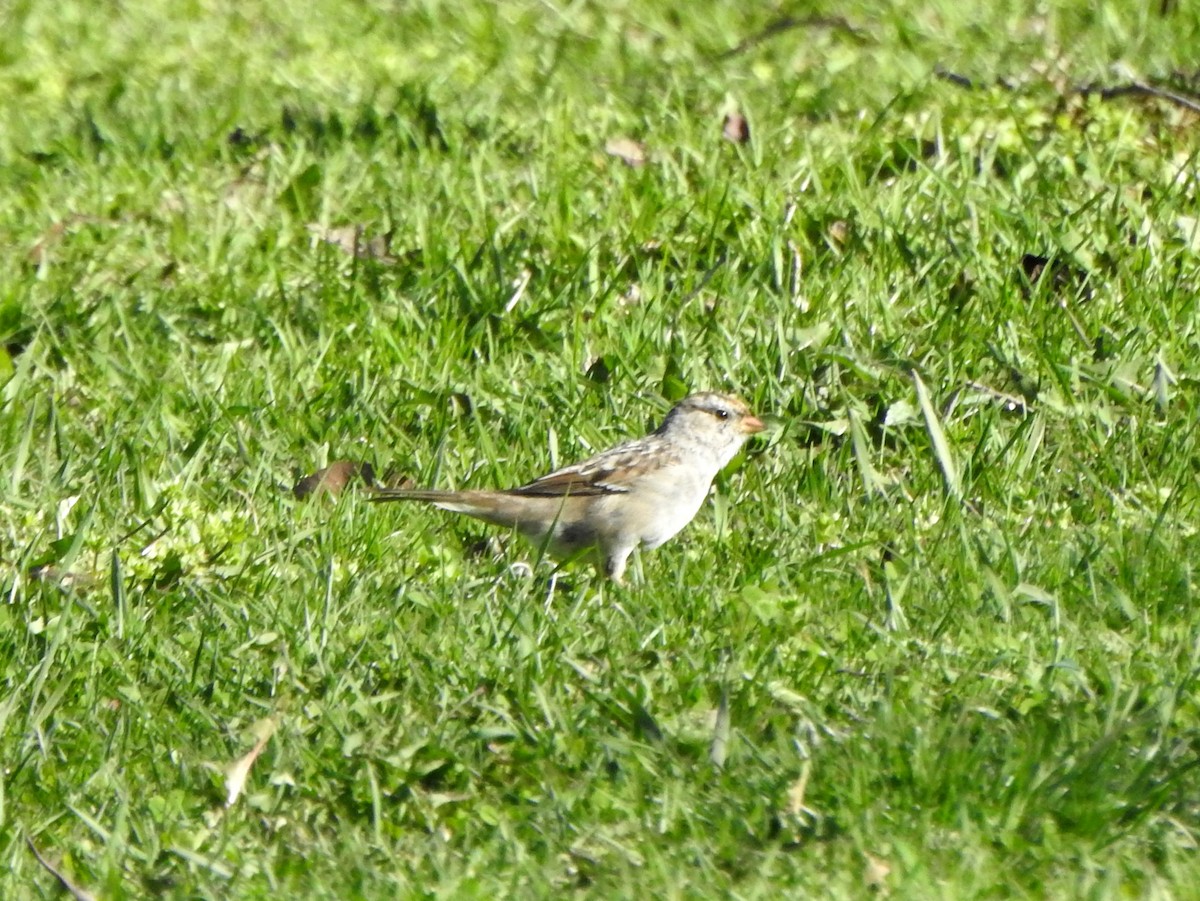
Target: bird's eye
(722, 414)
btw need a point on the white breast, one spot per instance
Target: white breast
(671, 503)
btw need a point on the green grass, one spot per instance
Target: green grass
(953, 635)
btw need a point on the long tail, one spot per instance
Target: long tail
(496, 507)
(489, 506)
(380, 495)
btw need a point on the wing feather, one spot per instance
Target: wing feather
(570, 482)
(605, 473)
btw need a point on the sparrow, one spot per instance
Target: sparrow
(639, 493)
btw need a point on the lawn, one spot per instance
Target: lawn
(933, 635)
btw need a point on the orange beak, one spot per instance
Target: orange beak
(752, 425)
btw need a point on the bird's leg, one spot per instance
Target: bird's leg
(614, 560)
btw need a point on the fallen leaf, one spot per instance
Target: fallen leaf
(353, 240)
(628, 151)
(333, 479)
(236, 772)
(736, 128)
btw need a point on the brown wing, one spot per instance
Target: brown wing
(602, 474)
(569, 482)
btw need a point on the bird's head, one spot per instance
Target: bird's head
(720, 422)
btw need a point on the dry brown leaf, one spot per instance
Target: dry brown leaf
(333, 479)
(236, 772)
(627, 150)
(736, 128)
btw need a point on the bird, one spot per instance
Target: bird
(640, 493)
